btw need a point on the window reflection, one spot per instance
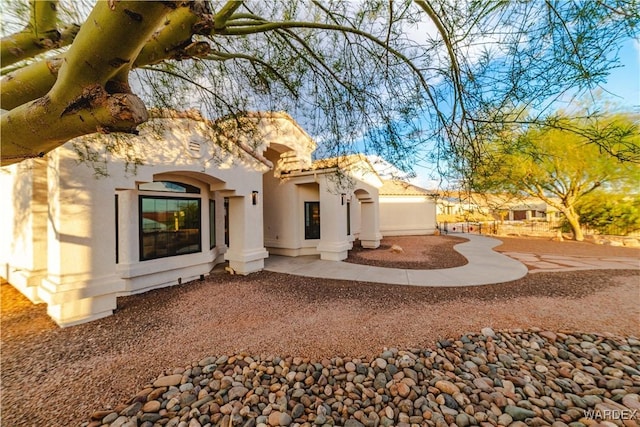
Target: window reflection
(311, 220)
(169, 187)
(169, 226)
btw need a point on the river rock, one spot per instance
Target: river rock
(169, 380)
(487, 379)
(447, 387)
(519, 414)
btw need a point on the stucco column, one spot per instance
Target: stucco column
(128, 233)
(334, 243)
(81, 282)
(246, 251)
(370, 229)
(27, 260)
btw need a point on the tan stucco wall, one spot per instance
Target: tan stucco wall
(80, 279)
(23, 242)
(407, 215)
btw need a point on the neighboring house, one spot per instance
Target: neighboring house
(454, 203)
(406, 209)
(500, 207)
(509, 208)
(531, 209)
(77, 242)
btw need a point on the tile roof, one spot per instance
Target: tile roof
(401, 188)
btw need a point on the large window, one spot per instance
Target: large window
(348, 218)
(117, 231)
(226, 221)
(169, 226)
(212, 224)
(311, 220)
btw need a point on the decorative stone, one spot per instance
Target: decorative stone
(169, 380)
(505, 419)
(488, 332)
(403, 390)
(583, 379)
(447, 387)
(237, 392)
(380, 381)
(298, 410)
(519, 414)
(486, 379)
(381, 363)
(151, 406)
(131, 410)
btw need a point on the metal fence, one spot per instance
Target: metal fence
(530, 228)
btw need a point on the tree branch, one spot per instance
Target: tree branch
(80, 102)
(224, 56)
(455, 67)
(40, 35)
(270, 26)
(29, 83)
(172, 41)
(220, 19)
(175, 38)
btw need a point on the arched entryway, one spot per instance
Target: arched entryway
(369, 219)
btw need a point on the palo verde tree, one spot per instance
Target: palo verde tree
(559, 165)
(390, 75)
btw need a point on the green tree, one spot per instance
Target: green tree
(609, 212)
(558, 164)
(394, 74)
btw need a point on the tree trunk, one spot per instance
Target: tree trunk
(574, 222)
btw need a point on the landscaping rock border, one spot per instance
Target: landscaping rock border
(510, 378)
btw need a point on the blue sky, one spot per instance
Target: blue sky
(622, 88)
(624, 83)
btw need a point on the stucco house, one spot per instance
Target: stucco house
(531, 209)
(183, 204)
(415, 206)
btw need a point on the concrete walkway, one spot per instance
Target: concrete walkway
(485, 267)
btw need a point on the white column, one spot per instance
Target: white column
(246, 251)
(334, 242)
(128, 233)
(370, 232)
(27, 259)
(81, 282)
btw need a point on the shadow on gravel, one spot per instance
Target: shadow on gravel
(574, 284)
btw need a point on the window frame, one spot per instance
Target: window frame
(308, 227)
(117, 227)
(178, 187)
(348, 218)
(212, 223)
(141, 233)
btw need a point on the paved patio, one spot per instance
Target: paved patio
(553, 263)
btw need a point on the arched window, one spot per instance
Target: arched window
(169, 187)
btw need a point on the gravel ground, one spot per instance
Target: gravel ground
(542, 245)
(58, 377)
(439, 253)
